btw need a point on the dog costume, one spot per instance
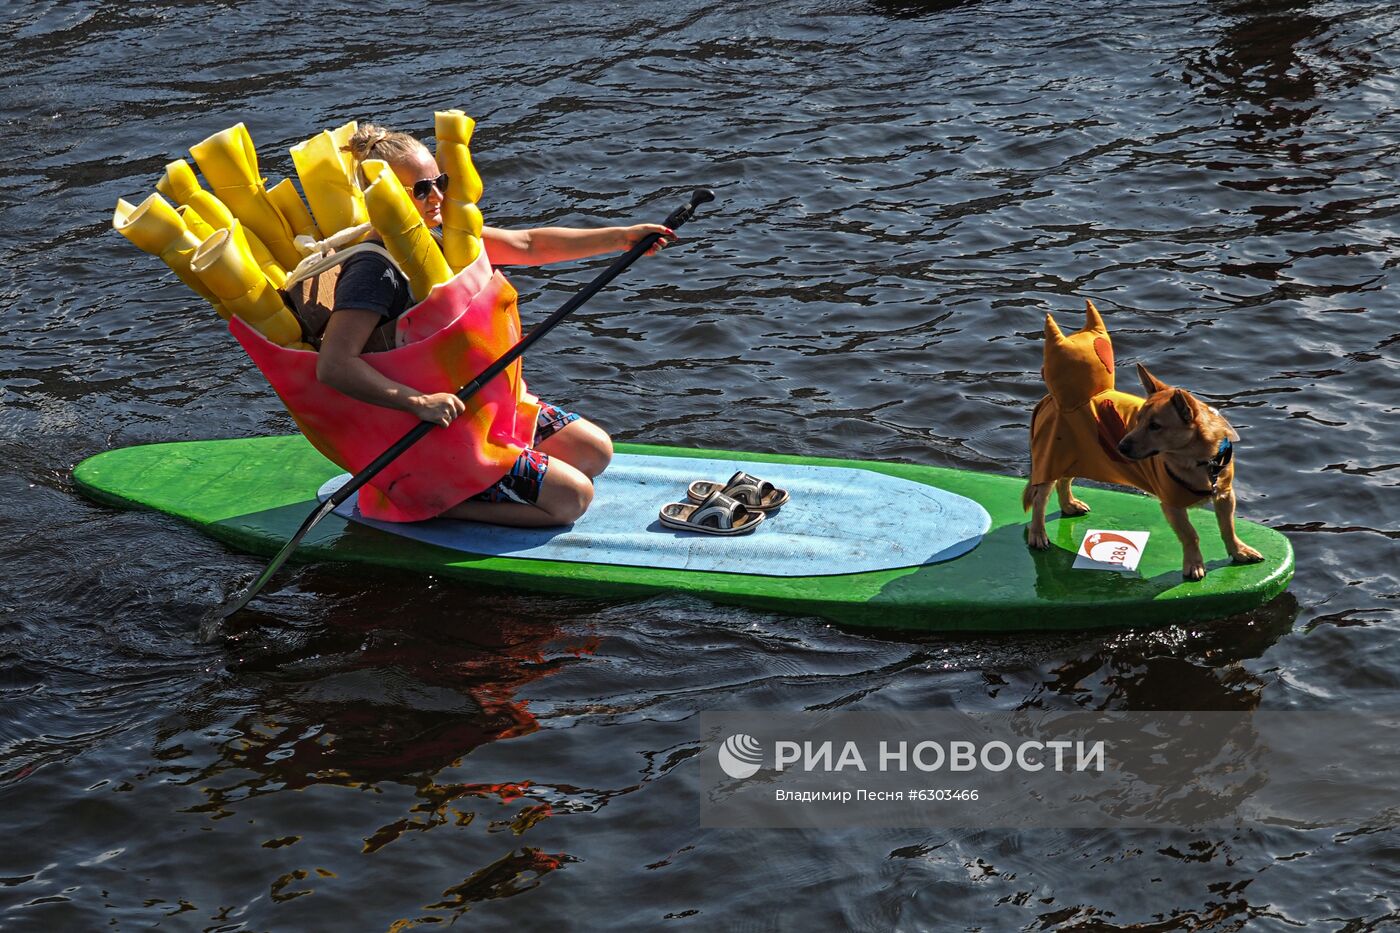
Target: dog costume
(1075, 430)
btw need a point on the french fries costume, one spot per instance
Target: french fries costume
(1075, 430)
(239, 244)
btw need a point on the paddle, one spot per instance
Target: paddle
(678, 217)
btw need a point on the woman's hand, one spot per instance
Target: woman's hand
(440, 408)
(633, 235)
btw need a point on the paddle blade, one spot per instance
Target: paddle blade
(212, 623)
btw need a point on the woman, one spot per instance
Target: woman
(551, 483)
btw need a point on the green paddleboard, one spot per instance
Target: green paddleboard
(254, 493)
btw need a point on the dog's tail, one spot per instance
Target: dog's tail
(1027, 497)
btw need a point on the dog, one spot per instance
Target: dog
(1170, 444)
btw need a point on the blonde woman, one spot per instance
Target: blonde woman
(551, 483)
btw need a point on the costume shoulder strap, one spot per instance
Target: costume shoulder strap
(317, 263)
(310, 293)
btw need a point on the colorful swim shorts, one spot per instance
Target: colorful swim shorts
(551, 420)
(526, 477)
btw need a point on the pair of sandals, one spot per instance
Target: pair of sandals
(735, 508)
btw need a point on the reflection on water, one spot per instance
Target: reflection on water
(913, 9)
(1272, 63)
(1213, 676)
(906, 188)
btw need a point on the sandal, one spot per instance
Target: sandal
(750, 491)
(717, 515)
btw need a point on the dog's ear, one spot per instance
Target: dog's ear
(1182, 403)
(1052, 330)
(1150, 382)
(1230, 432)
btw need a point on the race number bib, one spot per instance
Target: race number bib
(1111, 550)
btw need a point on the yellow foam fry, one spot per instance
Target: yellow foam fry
(474, 244)
(249, 243)
(230, 165)
(325, 173)
(405, 235)
(196, 224)
(178, 183)
(341, 137)
(217, 215)
(275, 273)
(454, 128)
(228, 270)
(461, 220)
(202, 231)
(213, 211)
(154, 226)
(187, 257)
(282, 329)
(459, 247)
(293, 209)
(474, 220)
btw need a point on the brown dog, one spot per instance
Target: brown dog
(1170, 444)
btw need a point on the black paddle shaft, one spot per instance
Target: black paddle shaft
(677, 217)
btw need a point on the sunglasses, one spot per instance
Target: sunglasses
(424, 187)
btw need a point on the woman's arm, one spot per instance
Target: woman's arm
(339, 366)
(543, 245)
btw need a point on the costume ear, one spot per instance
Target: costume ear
(1052, 330)
(1182, 403)
(1150, 382)
(1092, 320)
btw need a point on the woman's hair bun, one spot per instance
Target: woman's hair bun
(363, 141)
(372, 141)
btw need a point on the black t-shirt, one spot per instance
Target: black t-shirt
(370, 282)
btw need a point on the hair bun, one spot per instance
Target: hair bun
(364, 139)
(372, 141)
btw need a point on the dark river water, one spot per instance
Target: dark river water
(905, 189)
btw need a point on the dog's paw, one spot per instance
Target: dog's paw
(1193, 569)
(1037, 538)
(1075, 507)
(1244, 554)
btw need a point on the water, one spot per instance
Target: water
(906, 188)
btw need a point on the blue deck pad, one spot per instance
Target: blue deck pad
(839, 521)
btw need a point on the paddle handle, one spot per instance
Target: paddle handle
(676, 218)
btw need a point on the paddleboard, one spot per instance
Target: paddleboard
(863, 543)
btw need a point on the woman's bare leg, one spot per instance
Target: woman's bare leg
(565, 495)
(582, 444)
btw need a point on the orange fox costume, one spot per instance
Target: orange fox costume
(1075, 430)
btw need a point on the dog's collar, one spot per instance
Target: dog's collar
(1214, 467)
(1217, 464)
